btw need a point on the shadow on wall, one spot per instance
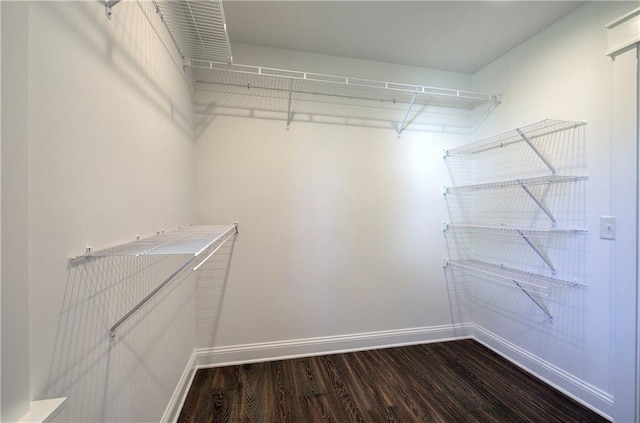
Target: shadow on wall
(503, 228)
(211, 284)
(127, 47)
(102, 377)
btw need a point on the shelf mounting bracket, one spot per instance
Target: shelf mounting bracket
(108, 5)
(535, 150)
(539, 252)
(403, 125)
(289, 113)
(539, 204)
(537, 300)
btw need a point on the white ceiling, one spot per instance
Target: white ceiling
(460, 36)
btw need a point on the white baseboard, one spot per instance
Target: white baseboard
(172, 411)
(279, 350)
(581, 391)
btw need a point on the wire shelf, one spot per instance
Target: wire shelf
(510, 230)
(192, 241)
(215, 74)
(198, 28)
(528, 281)
(535, 130)
(523, 182)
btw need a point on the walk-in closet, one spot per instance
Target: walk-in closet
(305, 211)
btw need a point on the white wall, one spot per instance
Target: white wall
(563, 73)
(110, 156)
(15, 273)
(340, 226)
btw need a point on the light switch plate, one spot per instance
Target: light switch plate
(608, 227)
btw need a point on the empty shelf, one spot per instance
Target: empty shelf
(524, 182)
(191, 241)
(534, 286)
(535, 130)
(198, 28)
(199, 31)
(511, 230)
(306, 83)
(527, 281)
(187, 241)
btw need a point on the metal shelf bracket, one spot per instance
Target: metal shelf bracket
(289, 112)
(108, 5)
(539, 252)
(544, 208)
(504, 275)
(403, 125)
(535, 150)
(536, 300)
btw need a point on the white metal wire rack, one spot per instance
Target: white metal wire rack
(502, 230)
(244, 76)
(193, 241)
(526, 234)
(294, 91)
(534, 285)
(530, 132)
(523, 182)
(198, 28)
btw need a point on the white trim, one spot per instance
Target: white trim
(269, 351)
(172, 411)
(281, 350)
(44, 410)
(579, 390)
(622, 19)
(623, 33)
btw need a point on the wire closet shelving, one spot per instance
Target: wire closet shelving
(199, 243)
(534, 285)
(199, 31)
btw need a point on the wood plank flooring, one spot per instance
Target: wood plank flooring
(459, 381)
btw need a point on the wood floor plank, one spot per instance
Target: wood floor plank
(459, 381)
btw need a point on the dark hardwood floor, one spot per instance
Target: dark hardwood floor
(449, 382)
